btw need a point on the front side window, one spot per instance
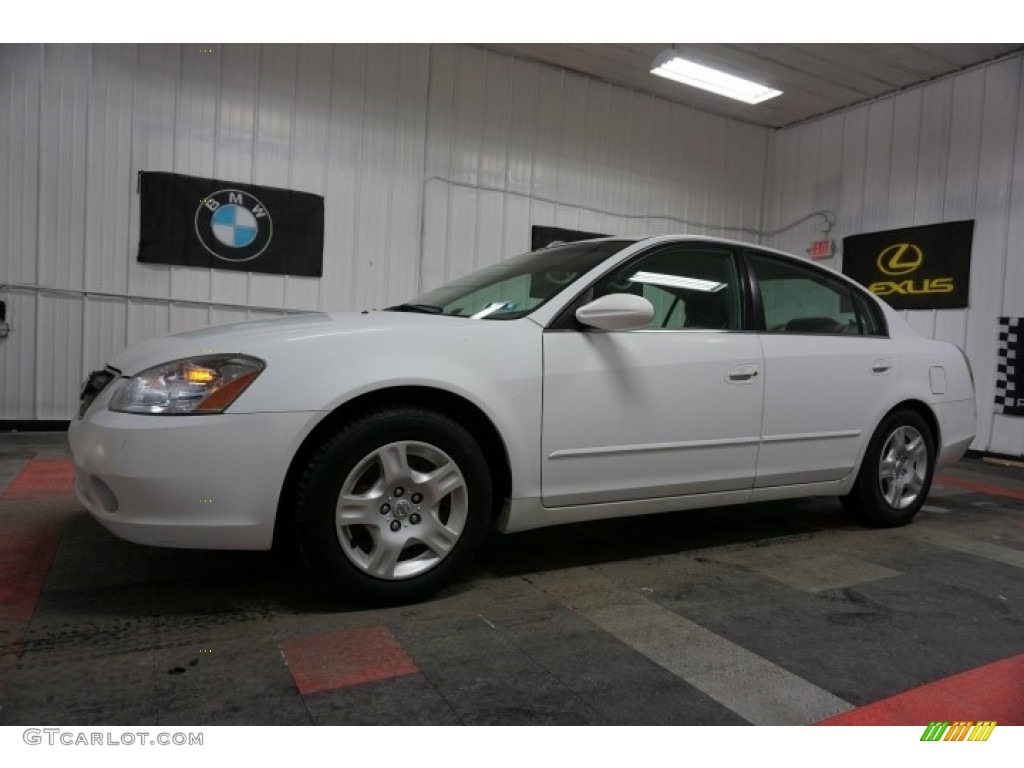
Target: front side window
(515, 287)
(801, 300)
(691, 287)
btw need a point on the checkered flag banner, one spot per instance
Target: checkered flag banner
(1010, 368)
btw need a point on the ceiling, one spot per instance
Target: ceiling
(814, 79)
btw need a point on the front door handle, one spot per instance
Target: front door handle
(743, 374)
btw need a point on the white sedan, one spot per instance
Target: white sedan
(591, 380)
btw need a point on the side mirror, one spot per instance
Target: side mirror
(617, 312)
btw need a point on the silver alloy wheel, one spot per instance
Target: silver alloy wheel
(401, 510)
(903, 467)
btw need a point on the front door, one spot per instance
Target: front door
(667, 410)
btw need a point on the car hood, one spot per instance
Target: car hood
(257, 336)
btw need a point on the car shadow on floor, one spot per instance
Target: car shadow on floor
(94, 571)
(603, 541)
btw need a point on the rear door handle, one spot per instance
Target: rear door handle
(881, 366)
(743, 374)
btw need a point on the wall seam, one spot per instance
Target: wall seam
(85, 208)
(37, 394)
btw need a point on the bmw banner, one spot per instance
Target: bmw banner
(925, 267)
(198, 222)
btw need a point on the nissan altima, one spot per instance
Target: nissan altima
(588, 380)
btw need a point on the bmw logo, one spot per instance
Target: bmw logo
(233, 225)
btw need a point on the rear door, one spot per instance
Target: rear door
(829, 368)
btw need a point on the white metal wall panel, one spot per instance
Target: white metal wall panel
(522, 84)
(146, 319)
(109, 177)
(152, 149)
(110, 188)
(906, 132)
(275, 111)
(433, 160)
(949, 150)
(21, 67)
(930, 190)
(58, 365)
(307, 168)
(878, 166)
(1007, 432)
(103, 328)
(993, 211)
(468, 149)
(195, 102)
(407, 162)
(62, 215)
(570, 164)
(342, 183)
(234, 141)
(849, 215)
(585, 154)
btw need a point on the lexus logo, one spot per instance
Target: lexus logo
(900, 259)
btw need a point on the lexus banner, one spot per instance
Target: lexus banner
(199, 222)
(914, 268)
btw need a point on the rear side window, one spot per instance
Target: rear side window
(803, 300)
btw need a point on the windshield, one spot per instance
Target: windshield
(516, 286)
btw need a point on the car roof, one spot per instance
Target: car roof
(683, 237)
(687, 238)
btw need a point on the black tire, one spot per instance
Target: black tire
(354, 559)
(870, 502)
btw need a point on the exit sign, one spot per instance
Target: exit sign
(822, 249)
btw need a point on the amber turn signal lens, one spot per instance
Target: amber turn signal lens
(221, 398)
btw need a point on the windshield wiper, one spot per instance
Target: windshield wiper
(427, 309)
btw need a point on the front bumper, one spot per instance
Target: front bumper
(204, 482)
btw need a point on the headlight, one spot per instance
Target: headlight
(206, 384)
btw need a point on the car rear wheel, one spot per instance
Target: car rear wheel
(394, 506)
(896, 473)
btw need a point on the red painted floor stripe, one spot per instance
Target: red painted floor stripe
(347, 657)
(971, 485)
(29, 534)
(42, 476)
(991, 692)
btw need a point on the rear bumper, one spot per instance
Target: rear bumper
(958, 424)
(205, 482)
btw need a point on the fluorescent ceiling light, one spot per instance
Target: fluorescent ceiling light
(677, 281)
(669, 65)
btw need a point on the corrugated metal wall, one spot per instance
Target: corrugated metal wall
(432, 160)
(952, 149)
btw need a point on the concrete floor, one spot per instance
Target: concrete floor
(781, 613)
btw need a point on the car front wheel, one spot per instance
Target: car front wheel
(896, 474)
(393, 506)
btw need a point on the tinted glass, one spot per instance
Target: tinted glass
(799, 300)
(516, 286)
(691, 287)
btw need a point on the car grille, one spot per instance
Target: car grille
(96, 382)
